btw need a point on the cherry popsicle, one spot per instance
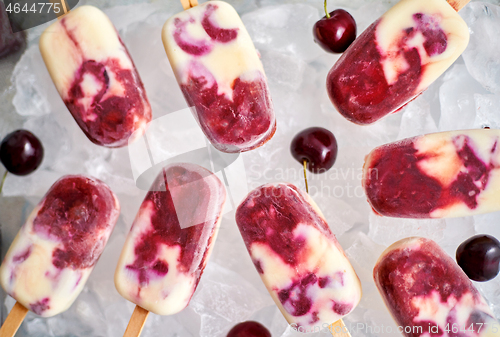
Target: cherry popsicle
(428, 294)
(221, 76)
(57, 248)
(21, 152)
(170, 242)
(396, 58)
(96, 77)
(298, 258)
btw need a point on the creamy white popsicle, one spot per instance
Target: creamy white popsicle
(171, 238)
(220, 74)
(55, 251)
(396, 58)
(428, 294)
(95, 76)
(298, 258)
(447, 174)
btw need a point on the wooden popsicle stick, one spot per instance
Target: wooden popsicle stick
(136, 322)
(187, 4)
(13, 321)
(64, 9)
(458, 4)
(338, 329)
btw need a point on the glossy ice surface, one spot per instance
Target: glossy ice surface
(297, 256)
(95, 76)
(447, 174)
(395, 59)
(171, 239)
(220, 74)
(428, 294)
(55, 251)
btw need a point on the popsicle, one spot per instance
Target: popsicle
(396, 58)
(55, 251)
(170, 241)
(220, 74)
(447, 174)
(428, 294)
(298, 258)
(95, 77)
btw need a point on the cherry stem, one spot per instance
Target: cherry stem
(326, 11)
(3, 181)
(305, 175)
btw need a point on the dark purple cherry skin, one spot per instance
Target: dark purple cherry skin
(249, 329)
(21, 152)
(479, 257)
(317, 146)
(336, 33)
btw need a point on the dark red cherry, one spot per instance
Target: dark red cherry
(249, 329)
(479, 257)
(335, 33)
(317, 146)
(21, 152)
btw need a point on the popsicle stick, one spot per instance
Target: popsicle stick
(339, 329)
(13, 321)
(187, 4)
(64, 9)
(458, 4)
(136, 322)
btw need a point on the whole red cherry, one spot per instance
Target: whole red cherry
(335, 31)
(249, 329)
(317, 146)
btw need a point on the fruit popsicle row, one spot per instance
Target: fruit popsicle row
(299, 260)
(212, 56)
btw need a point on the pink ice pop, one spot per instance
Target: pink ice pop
(298, 258)
(447, 174)
(55, 251)
(396, 58)
(220, 74)
(95, 76)
(171, 239)
(428, 294)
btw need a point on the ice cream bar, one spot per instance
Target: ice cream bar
(95, 76)
(298, 258)
(55, 251)
(447, 174)
(220, 74)
(171, 238)
(396, 58)
(428, 294)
